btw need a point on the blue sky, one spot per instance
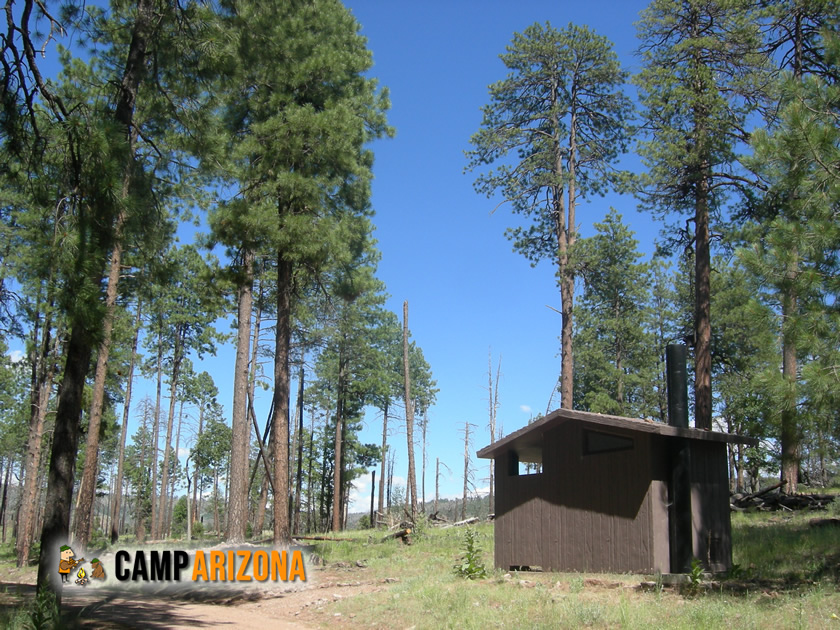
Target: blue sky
(442, 248)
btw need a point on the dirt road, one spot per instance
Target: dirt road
(308, 606)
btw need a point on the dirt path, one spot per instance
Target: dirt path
(304, 608)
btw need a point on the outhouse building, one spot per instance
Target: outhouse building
(579, 491)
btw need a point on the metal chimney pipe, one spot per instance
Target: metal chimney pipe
(675, 358)
(680, 526)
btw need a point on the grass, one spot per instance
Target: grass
(787, 578)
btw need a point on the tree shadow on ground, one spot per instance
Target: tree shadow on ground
(111, 609)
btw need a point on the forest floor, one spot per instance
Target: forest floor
(786, 575)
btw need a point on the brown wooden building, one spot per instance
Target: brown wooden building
(596, 497)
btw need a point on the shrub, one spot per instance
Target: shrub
(470, 565)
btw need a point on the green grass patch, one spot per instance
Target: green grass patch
(785, 548)
(788, 581)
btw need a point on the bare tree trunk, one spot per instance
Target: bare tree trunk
(411, 490)
(382, 509)
(424, 428)
(390, 477)
(466, 468)
(437, 483)
(493, 393)
(115, 530)
(238, 512)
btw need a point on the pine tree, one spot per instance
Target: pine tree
(297, 152)
(795, 236)
(698, 58)
(614, 357)
(562, 112)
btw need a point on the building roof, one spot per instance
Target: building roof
(529, 439)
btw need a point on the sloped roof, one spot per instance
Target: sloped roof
(530, 437)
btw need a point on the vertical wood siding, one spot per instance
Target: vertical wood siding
(583, 513)
(710, 505)
(608, 511)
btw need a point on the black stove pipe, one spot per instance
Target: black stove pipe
(680, 525)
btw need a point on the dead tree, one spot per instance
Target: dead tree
(411, 490)
(493, 394)
(467, 426)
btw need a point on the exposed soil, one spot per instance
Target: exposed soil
(307, 606)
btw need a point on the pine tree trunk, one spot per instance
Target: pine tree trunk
(65, 437)
(87, 487)
(299, 481)
(196, 495)
(790, 436)
(171, 506)
(26, 523)
(216, 499)
(63, 456)
(702, 313)
(280, 421)
(139, 502)
(238, 513)
(339, 439)
(115, 530)
(177, 358)
(9, 465)
(226, 504)
(310, 487)
(259, 510)
(155, 430)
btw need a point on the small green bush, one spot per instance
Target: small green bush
(470, 565)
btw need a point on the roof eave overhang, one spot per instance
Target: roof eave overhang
(531, 435)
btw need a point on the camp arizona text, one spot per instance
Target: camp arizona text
(241, 565)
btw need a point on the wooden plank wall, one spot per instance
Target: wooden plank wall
(583, 513)
(710, 505)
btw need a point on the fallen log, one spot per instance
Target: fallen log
(467, 521)
(760, 493)
(402, 534)
(766, 501)
(327, 539)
